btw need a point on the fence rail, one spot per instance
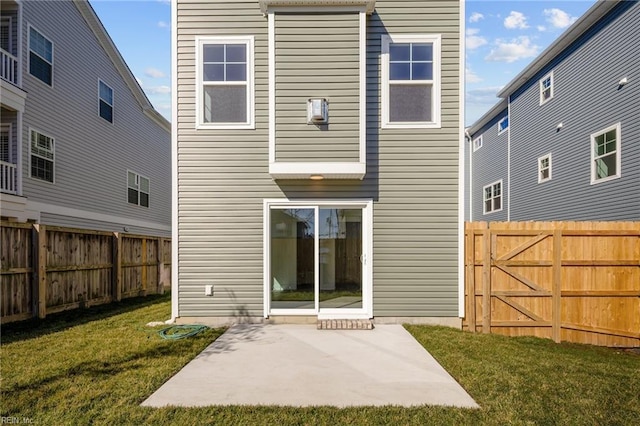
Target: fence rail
(46, 269)
(568, 281)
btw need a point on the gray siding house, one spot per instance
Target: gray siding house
(80, 144)
(317, 148)
(571, 148)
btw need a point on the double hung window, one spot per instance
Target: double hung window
(105, 94)
(42, 156)
(492, 197)
(605, 154)
(40, 56)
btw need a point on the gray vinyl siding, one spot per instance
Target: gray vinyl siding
(97, 225)
(317, 56)
(412, 176)
(490, 164)
(586, 100)
(92, 156)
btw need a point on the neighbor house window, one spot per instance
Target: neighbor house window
(105, 94)
(492, 197)
(546, 88)
(410, 81)
(137, 189)
(5, 33)
(42, 156)
(503, 125)
(225, 82)
(605, 154)
(477, 143)
(544, 168)
(40, 56)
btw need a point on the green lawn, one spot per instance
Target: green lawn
(97, 366)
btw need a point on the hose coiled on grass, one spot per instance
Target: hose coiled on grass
(176, 332)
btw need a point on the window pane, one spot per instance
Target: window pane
(144, 185)
(132, 196)
(422, 71)
(144, 199)
(39, 68)
(236, 53)
(106, 111)
(213, 72)
(606, 166)
(106, 94)
(131, 180)
(497, 203)
(213, 53)
(422, 52)
(399, 52)
(487, 206)
(400, 71)
(236, 72)
(409, 103)
(41, 168)
(225, 104)
(40, 45)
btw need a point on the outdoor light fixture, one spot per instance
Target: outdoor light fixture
(316, 177)
(623, 81)
(559, 126)
(317, 111)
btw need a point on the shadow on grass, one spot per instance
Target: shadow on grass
(35, 327)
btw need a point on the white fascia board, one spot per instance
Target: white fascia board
(267, 6)
(343, 170)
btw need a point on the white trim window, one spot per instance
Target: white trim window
(411, 81)
(225, 76)
(42, 156)
(138, 188)
(105, 101)
(544, 168)
(606, 154)
(492, 197)
(477, 143)
(40, 56)
(5, 142)
(503, 125)
(546, 88)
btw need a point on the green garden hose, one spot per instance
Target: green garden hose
(176, 332)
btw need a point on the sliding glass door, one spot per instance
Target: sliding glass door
(317, 259)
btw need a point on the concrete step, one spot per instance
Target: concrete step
(345, 324)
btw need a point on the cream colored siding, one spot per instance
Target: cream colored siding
(412, 174)
(317, 56)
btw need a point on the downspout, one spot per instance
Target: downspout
(175, 265)
(469, 141)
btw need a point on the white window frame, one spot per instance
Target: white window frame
(8, 128)
(137, 188)
(249, 41)
(29, 52)
(477, 143)
(500, 129)
(436, 41)
(617, 127)
(113, 101)
(484, 199)
(542, 89)
(541, 168)
(53, 160)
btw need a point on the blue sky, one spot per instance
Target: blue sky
(502, 38)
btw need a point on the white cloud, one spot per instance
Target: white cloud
(476, 17)
(483, 95)
(162, 24)
(511, 51)
(473, 40)
(541, 28)
(516, 20)
(154, 73)
(559, 18)
(159, 90)
(472, 77)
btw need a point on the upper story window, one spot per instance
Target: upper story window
(105, 95)
(40, 56)
(544, 168)
(137, 189)
(546, 88)
(42, 156)
(503, 125)
(492, 197)
(225, 83)
(5, 33)
(477, 143)
(605, 154)
(411, 81)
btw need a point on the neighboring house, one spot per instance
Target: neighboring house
(319, 159)
(564, 141)
(80, 144)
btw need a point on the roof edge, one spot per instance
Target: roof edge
(368, 5)
(487, 116)
(586, 21)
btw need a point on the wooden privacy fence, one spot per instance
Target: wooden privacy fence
(46, 269)
(568, 281)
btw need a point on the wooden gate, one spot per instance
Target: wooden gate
(569, 281)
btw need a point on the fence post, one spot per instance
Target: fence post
(160, 289)
(486, 280)
(143, 272)
(40, 281)
(116, 275)
(470, 281)
(556, 292)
